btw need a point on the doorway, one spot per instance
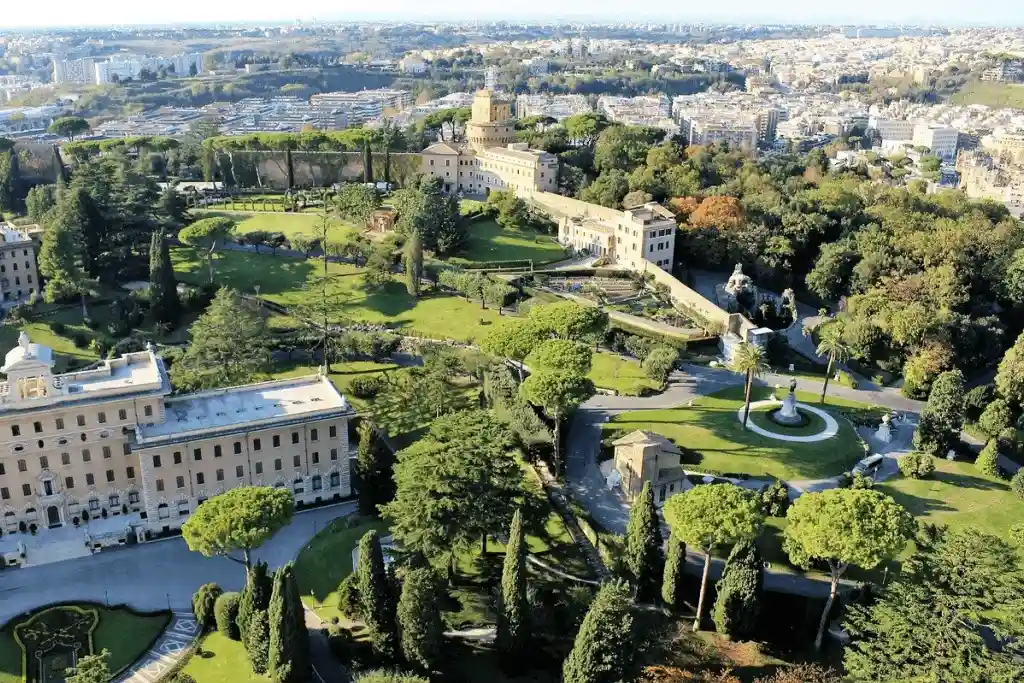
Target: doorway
(53, 516)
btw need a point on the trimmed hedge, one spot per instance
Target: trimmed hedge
(225, 614)
(203, 602)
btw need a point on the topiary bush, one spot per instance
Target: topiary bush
(917, 465)
(1017, 483)
(203, 601)
(996, 417)
(365, 387)
(348, 597)
(339, 640)
(774, 499)
(977, 399)
(225, 614)
(988, 460)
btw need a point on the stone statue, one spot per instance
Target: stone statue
(787, 414)
(884, 432)
(738, 282)
(23, 340)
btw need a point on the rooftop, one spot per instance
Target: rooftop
(225, 410)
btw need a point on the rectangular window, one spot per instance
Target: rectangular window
(122, 414)
(102, 417)
(216, 451)
(259, 468)
(277, 465)
(89, 479)
(5, 493)
(239, 472)
(295, 437)
(238, 447)
(159, 484)
(256, 444)
(315, 457)
(148, 411)
(86, 455)
(163, 512)
(276, 441)
(38, 426)
(133, 497)
(69, 483)
(110, 475)
(81, 420)
(26, 490)
(131, 472)
(332, 431)
(59, 422)
(65, 458)
(200, 479)
(296, 461)
(156, 461)
(126, 448)
(106, 451)
(220, 475)
(334, 454)
(15, 430)
(313, 434)
(44, 462)
(180, 481)
(197, 454)
(177, 457)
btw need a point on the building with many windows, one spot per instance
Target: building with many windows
(492, 159)
(18, 277)
(110, 451)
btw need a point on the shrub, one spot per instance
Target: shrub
(203, 601)
(58, 327)
(659, 362)
(225, 613)
(861, 481)
(348, 597)
(774, 499)
(365, 387)
(845, 379)
(977, 399)
(1017, 535)
(996, 417)
(988, 460)
(80, 339)
(1017, 483)
(637, 346)
(339, 640)
(917, 465)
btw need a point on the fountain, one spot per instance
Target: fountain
(788, 415)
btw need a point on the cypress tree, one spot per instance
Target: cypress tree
(513, 610)
(739, 592)
(255, 596)
(163, 289)
(644, 559)
(672, 583)
(387, 167)
(377, 597)
(288, 658)
(367, 162)
(604, 651)
(419, 620)
(374, 466)
(413, 262)
(257, 641)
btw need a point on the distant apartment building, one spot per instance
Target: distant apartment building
(984, 176)
(740, 131)
(558, 107)
(893, 129)
(94, 71)
(412, 64)
(648, 110)
(492, 159)
(365, 105)
(74, 71)
(1004, 72)
(27, 120)
(941, 140)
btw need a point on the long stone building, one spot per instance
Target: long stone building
(113, 452)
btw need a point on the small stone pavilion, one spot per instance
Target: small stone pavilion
(643, 456)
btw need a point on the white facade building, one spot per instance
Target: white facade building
(942, 141)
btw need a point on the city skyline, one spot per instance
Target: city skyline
(870, 12)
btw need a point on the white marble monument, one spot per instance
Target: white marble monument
(884, 432)
(788, 414)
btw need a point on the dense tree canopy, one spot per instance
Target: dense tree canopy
(241, 519)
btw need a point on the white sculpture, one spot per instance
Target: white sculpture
(884, 432)
(788, 414)
(738, 282)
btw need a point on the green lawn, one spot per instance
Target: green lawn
(289, 224)
(125, 634)
(488, 241)
(282, 279)
(713, 433)
(64, 349)
(610, 371)
(959, 496)
(222, 661)
(760, 417)
(991, 94)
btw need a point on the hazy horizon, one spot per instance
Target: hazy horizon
(113, 13)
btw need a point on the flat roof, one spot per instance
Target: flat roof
(252, 406)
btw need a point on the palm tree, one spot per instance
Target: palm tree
(831, 344)
(749, 359)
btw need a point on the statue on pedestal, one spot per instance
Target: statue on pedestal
(884, 432)
(739, 291)
(738, 282)
(788, 414)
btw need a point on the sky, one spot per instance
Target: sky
(19, 13)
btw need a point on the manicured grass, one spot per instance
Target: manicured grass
(625, 376)
(711, 431)
(64, 349)
(327, 559)
(959, 496)
(127, 635)
(488, 241)
(991, 94)
(289, 224)
(760, 417)
(222, 661)
(282, 279)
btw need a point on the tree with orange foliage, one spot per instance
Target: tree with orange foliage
(720, 212)
(682, 207)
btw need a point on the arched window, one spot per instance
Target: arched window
(318, 482)
(162, 511)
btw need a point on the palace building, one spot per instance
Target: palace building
(113, 453)
(492, 159)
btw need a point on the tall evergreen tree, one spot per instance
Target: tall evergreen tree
(645, 560)
(257, 641)
(419, 620)
(62, 257)
(288, 656)
(377, 597)
(387, 167)
(374, 465)
(943, 416)
(163, 288)
(739, 592)
(513, 610)
(675, 569)
(367, 162)
(604, 651)
(413, 262)
(255, 596)
(172, 207)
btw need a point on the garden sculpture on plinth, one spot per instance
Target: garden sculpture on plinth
(788, 414)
